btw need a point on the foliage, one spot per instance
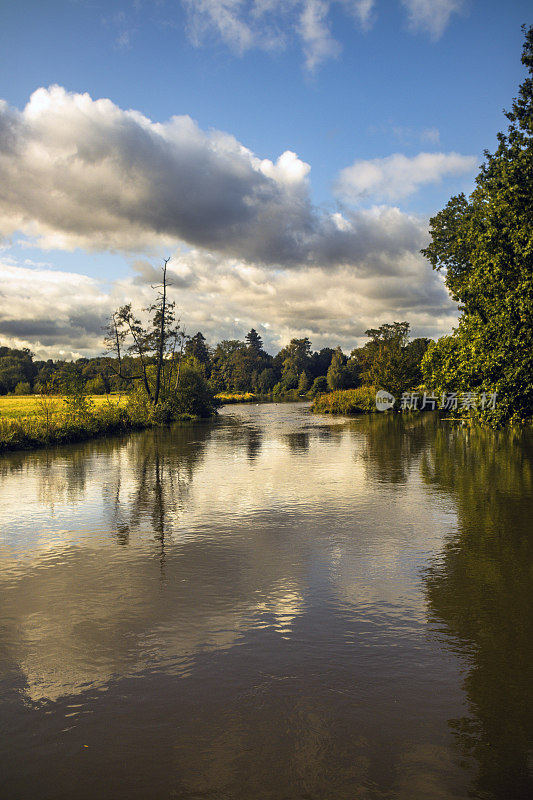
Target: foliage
(295, 359)
(196, 346)
(16, 366)
(320, 385)
(336, 373)
(95, 386)
(266, 380)
(254, 342)
(22, 388)
(484, 244)
(346, 401)
(154, 346)
(192, 398)
(389, 361)
(228, 399)
(303, 383)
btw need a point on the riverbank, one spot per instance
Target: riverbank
(52, 425)
(228, 398)
(346, 401)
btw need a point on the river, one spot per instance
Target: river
(272, 605)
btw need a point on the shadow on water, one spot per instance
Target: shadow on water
(480, 595)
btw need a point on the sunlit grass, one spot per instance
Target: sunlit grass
(236, 397)
(16, 407)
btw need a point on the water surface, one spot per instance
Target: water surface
(274, 605)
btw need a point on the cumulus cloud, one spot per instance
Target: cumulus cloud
(398, 176)
(250, 249)
(431, 16)
(82, 173)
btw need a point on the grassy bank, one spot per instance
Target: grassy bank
(227, 398)
(346, 401)
(31, 422)
(27, 433)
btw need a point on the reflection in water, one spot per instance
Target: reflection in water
(298, 441)
(481, 589)
(393, 444)
(239, 609)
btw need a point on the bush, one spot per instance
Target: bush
(194, 397)
(346, 401)
(22, 387)
(95, 386)
(227, 398)
(319, 386)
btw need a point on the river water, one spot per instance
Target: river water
(273, 605)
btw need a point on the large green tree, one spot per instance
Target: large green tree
(484, 247)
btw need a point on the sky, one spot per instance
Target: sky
(286, 154)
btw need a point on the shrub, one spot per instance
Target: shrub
(95, 385)
(22, 387)
(346, 401)
(319, 386)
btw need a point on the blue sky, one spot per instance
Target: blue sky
(344, 85)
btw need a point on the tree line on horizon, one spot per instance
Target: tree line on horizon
(235, 366)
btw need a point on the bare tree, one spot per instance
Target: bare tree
(153, 347)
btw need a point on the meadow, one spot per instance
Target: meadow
(30, 405)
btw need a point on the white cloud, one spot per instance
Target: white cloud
(82, 173)
(319, 45)
(363, 11)
(398, 176)
(408, 135)
(58, 314)
(431, 16)
(431, 135)
(223, 17)
(272, 24)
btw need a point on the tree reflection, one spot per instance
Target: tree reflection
(393, 442)
(298, 441)
(159, 471)
(481, 591)
(254, 442)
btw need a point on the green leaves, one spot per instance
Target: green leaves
(484, 245)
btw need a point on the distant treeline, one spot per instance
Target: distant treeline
(234, 366)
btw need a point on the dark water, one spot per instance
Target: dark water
(271, 606)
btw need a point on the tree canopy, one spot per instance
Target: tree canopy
(484, 247)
